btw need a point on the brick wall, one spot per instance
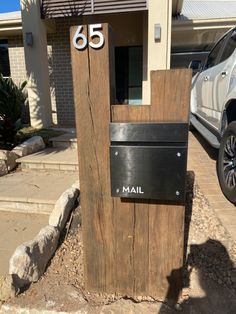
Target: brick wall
(61, 74)
(17, 67)
(17, 59)
(59, 71)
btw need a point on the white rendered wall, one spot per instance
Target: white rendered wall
(156, 53)
(36, 60)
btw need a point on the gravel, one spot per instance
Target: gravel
(209, 270)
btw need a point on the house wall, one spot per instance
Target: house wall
(17, 58)
(127, 33)
(17, 66)
(18, 69)
(60, 75)
(127, 30)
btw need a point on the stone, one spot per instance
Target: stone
(32, 145)
(3, 168)
(3, 154)
(7, 288)
(63, 208)
(9, 159)
(30, 259)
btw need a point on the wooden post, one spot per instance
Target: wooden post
(133, 247)
(92, 93)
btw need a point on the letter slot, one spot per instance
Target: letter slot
(149, 160)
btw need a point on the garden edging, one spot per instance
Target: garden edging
(30, 259)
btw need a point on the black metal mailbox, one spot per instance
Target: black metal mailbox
(149, 160)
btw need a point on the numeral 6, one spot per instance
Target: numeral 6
(93, 32)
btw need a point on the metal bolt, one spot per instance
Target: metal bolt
(177, 193)
(178, 154)
(117, 191)
(116, 153)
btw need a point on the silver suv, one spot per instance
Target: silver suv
(213, 107)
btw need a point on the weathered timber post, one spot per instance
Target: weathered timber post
(132, 246)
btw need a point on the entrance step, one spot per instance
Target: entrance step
(67, 140)
(34, 192)
(51, 159)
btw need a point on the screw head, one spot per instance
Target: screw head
(178, 154)
(177, 193)
(117, 191)
(116, 153)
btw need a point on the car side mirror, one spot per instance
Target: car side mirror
(195, 65)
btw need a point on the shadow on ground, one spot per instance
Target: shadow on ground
(210, 297)
(211, 151)
(208, 270)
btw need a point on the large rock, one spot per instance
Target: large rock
(63, 207)
(32, 145)
(30, 259)
(7, 288)
(7, 161)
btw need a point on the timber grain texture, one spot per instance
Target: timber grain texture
(133, 247)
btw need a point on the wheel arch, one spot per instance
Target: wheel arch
(230, 110)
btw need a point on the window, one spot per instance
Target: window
(4, 58)
(229, 47)
(212, 59)
(129, 72)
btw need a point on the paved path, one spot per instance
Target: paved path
(202, 161)
(17, 228)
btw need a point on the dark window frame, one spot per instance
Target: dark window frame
(227, 47)
(222, 43)
(4, 64)
(122, 82)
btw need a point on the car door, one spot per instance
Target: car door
(205, 83)
(222, 75)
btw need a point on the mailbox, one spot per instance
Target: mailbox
(149, 160)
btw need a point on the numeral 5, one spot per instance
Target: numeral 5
(93, 32)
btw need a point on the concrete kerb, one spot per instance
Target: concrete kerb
(8, 158)
(30, 259)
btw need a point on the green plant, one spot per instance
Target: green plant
(27, 132)
(12, 100)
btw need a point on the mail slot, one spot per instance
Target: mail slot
(149, 160)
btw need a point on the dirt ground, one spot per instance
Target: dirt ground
(209, 273)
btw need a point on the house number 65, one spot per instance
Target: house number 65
(93, 32)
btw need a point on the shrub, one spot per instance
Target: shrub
(12, 100)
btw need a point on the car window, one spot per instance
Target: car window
(213, 57)
(229, 47)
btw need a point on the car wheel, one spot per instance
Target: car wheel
(226, 164)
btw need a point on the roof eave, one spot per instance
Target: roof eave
(11, 22)
(180, 25)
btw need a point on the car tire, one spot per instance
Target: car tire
(226, 163)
